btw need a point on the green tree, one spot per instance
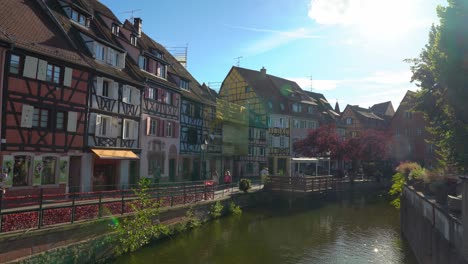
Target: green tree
(138, 230)
(441, 72)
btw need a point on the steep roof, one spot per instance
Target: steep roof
(175, 70)
(96, 31)
(363, 112)
(383, 109)
(274, 90)
(27, 25)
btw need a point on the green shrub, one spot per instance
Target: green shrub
(397, 188)
(406, 168)
(234, 209)
(216, 210)
(192, 220)
(417, 174)
(138, 230)
(245, 185)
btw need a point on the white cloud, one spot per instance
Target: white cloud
(272, 38)
(365, 91)
(383, 18)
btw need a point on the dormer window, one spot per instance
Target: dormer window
(157, 53)
(77, 17)
(133, 40)
(184, 84)
(297, 108)
(115, 29)
(143, 63)
(282, 106)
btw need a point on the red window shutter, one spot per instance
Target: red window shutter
(150, 66)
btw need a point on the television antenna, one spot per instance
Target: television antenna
(238, 60)
(131, 12)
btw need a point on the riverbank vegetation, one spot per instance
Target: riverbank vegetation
(137, 231)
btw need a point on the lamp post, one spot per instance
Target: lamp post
(329, 160)
(203, 148)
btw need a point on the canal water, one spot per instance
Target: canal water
(352, 229)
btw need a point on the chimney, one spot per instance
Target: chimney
(263, 71)
(137, 24)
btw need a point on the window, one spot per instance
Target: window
(247, 89)
(21, 169)
(282, 142)
(153, 127)
(303, 124)
(251, 133)
(418, 131)
(262, 135)
(115, 29)
(105, 88)
(296, 123)
(184, 84)
(79, 18)
(312, 124)
(15, 64)
(48, 170)
(99, 52)
(409, 115)
(167, 98)
(282, 106)
(251, 151)
(113, 58)
(349, 121)
(297, 108)
(143, 63)
(133, 40)
(270, 105)
(60, 121)
(160, 70)
(310, 109)
(105, 126)
(262, 152)
(169, 129)
(157, 53)
(40, 118)
(126, 129)
(53, 73)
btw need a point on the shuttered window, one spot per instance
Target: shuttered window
(15, 64)
(53, 73)
(40, 118)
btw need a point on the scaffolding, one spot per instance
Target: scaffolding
(180, 54)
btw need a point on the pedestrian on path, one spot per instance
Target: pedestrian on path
(227, 177)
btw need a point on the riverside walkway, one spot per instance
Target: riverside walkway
(47, 210)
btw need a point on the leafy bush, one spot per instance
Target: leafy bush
(137, 231)
(397, 188)
(192, 220)
(245, 185)
(417, 174)
(234, 209)
(216, 210)
(407, 167)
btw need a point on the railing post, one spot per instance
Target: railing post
(172, 199)
(1, 206)
(99, 205)
(204, 189)
(41, 201)
(123, 201)
(73, 208)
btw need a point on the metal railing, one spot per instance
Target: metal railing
(43, 210)
(303, 184)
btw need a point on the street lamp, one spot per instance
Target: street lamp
(203, 148)
(329, 159)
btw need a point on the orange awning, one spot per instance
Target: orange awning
(115, 154)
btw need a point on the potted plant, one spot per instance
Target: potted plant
(245, 185)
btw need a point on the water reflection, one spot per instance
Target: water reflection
(355, 229)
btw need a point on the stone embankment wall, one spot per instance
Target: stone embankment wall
(434, 235)
(88, 242)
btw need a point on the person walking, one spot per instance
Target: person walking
(215, 177)
(227, 177)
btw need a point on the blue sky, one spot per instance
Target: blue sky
(353, 49)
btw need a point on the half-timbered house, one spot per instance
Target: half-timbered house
(45, 86)
(159, 131)
(114, 97)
